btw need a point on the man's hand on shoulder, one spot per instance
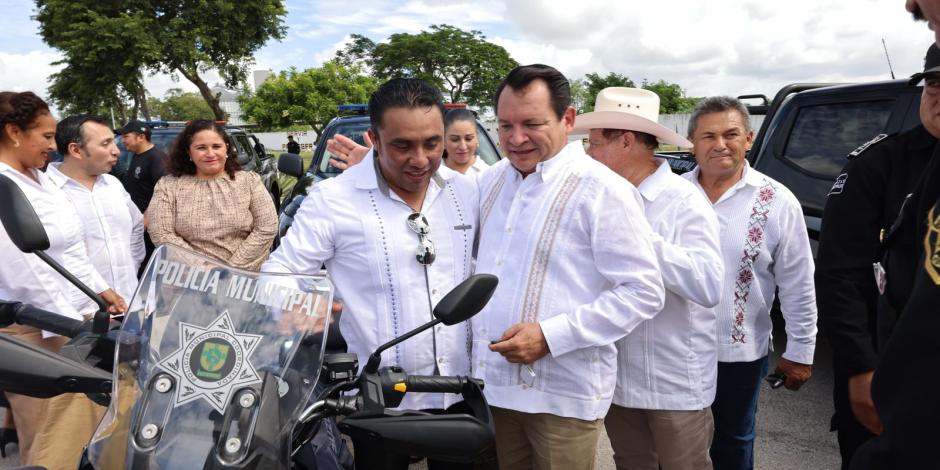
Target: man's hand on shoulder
(522, 343)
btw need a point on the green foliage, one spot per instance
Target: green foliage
(594, 83)
(462, 64)
(358, 52)
(672, 99)
(108, 44)
(179, 106)
(309, 97)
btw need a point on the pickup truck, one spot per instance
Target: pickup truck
(810, 128)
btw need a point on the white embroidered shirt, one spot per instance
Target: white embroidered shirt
(669, 362)
(359, 229)
(572, 251)
(764, 247)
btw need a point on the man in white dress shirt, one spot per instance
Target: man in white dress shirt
(365, 226)
(764, 247)
(113, 226)
(577, 271)
(667, 367)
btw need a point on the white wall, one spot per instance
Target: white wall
(680, 122)
(276, 142)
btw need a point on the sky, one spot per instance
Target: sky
(728, 47)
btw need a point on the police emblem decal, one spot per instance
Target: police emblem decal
(932, 245)
(211, 362)
(839, 184)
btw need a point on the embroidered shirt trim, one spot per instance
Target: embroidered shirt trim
(753, 242)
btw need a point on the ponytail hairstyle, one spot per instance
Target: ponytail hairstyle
(21, 109)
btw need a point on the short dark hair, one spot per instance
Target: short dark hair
(649, 140)
(403, 93)
(179, 162)
(519, 78)
(71, 130)
(718, 104)
(21, 109)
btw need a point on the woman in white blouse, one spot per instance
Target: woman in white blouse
(460, 142)
(27, 132)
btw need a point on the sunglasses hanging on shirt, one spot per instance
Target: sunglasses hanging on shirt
(419, 224)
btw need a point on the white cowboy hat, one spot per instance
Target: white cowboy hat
(632, 109)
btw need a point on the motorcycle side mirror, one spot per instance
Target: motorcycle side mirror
(290, 164)
(21, 223)
(20, 220)
(466, 300)
(461, 303)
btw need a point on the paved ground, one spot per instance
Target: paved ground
(792, 428)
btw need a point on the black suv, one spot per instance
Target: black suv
(250, 154)
(353, 126)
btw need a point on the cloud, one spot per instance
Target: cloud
(738, 47)
(28, 71)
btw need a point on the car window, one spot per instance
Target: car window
(823, 135)
(486, 150)
(242, 149)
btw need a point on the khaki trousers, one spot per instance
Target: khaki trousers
(654, 439)
(542, 441)
(52, 432)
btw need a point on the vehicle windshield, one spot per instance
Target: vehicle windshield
(212, 367)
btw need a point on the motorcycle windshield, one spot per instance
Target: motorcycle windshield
(212, 366)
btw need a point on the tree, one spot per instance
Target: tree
(672, 99)
(594, 83)
(579, 95)
(357, 52)
(186, 37)
(308, 97)
(462, 64)
(179, 106)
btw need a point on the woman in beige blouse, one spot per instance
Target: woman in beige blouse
(208, 205)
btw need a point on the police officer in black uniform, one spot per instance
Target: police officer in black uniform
(863, 205)
(906, 386)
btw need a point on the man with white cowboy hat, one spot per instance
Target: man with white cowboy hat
(660, 416)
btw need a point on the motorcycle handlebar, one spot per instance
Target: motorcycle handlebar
(25, 314)
(439, 383)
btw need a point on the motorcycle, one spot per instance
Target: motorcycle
(221, 368)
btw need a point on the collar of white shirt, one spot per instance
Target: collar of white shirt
(61, 179)
(750, 177)
(554, 167)
(11, 172)
(656, 183)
